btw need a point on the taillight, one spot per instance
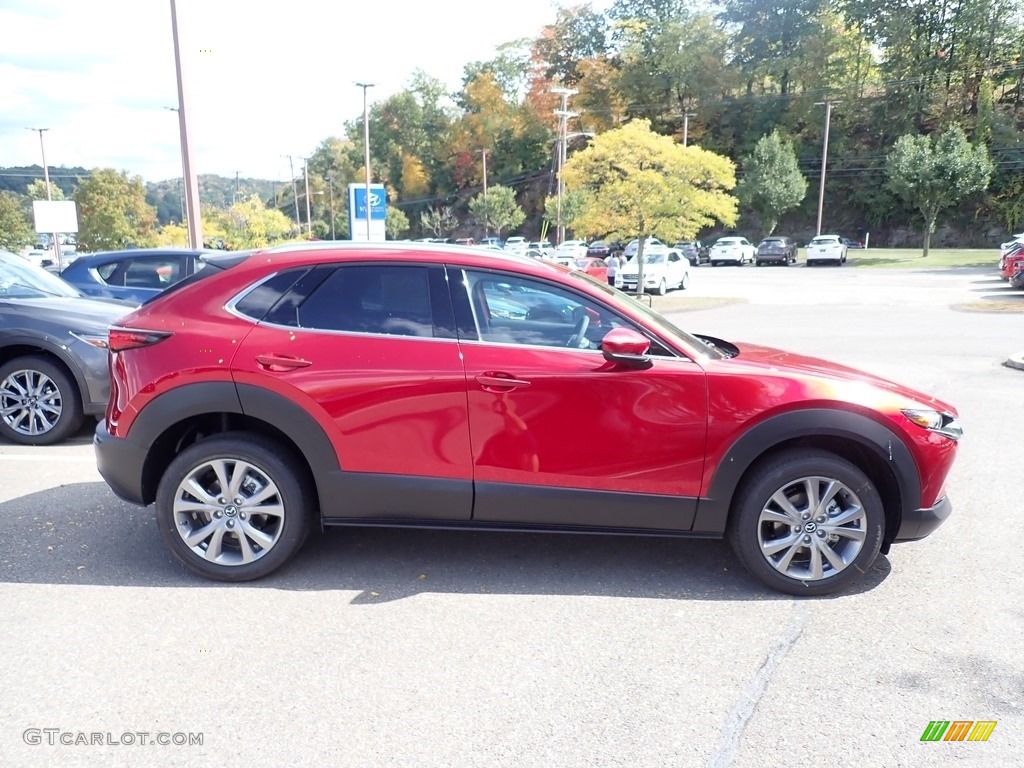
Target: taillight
(128, 338)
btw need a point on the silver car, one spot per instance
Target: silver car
(53, 354)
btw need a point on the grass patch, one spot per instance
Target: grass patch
(1000, 305)
(677, 303)
(910, 258)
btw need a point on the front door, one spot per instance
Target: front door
(562, 437)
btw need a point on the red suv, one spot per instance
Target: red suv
(435, 386)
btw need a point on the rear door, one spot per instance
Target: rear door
(371, 351)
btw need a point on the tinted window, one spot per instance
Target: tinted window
(392, 300)
(158, 272)
(107, 272)
(260, 299)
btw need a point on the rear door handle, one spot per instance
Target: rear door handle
(500, 382)
(279, 363)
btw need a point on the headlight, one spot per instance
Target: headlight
(939, 423)
(92, 339)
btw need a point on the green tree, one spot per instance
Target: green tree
(772, 183)
(498, 211)
(113, 212)
(396, 224)
(635, 183)
(572, 208)
(249, 224)
(37, 191)
(932, 174)
(15, 230)
(440, 221)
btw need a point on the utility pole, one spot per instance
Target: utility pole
(563, 114)
(49, 195)
(330, 184)
(181, 186)
(483, 154)
(366, 148)
(234, 198)
(824, 157)
(195, 217)
(686, 125)
(295, 192)
(309, 220)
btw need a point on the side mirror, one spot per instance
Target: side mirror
(626, 347)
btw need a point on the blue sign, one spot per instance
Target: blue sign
(378, 203)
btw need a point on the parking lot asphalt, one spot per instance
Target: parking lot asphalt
(409, 648)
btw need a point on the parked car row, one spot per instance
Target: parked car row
(448, 387)
(1011, 262)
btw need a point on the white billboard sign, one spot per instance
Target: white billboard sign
(55, 216)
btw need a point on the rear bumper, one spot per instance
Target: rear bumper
(120, 463)
(922, 522)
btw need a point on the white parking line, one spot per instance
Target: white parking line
(51, 458)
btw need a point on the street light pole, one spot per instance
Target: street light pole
(181, 186)
(564, 114)
(309, 220)
(483, 155)
(330, 184)
(195, 219)
(366, 148)
(295, 193)
(824, 158)
(686, 126)
(49, 195)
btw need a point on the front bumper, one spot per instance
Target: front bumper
(922, 522)
(120, 464)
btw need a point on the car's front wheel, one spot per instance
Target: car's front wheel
(662, 287)
(39, 402)
(807, 522)
(234, 507)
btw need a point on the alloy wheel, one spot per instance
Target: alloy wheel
(31, 403)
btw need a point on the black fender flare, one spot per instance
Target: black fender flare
(189, 400)
(53, 347)
(713, 508)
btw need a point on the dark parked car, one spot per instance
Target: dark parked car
(776, 250)
(602, 249)
(132, 275)
(851, 243)
(694, 252)
(53, 354)
(375, 385)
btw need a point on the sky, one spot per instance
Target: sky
(262, 80)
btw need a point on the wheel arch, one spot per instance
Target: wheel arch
(183, 416)
(28, 346)
(874, 448)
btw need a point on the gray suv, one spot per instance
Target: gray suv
(53, 354)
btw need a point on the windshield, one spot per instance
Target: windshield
(654, 258)
(824, 241)
(21, 279)
(659, 323)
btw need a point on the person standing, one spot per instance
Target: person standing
(613, 268)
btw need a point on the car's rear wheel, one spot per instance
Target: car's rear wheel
(234, 507)
(685, 282)
(39, 402)
(807, 522)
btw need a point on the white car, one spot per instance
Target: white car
(650, 244)
(572, 249)
(43, 259)
(732, 250)
(826, 248)
(664, 270)
(516, 245)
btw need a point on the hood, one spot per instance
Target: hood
(847, 382)
(74, 313)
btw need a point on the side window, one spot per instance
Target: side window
(258, 301)
(109, 273)
(391, 300)
(509, 309)
(159, 272)
(673, 257)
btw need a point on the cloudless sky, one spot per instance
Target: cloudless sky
(263, 79)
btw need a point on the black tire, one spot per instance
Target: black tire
(71, 416)
(662, 287)
(783, 471)
(271, 460)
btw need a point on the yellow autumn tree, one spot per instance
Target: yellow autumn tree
(634, 183)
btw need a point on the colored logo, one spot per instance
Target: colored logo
(958, 730)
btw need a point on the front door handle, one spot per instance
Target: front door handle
(500, 382)
(279, 363)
